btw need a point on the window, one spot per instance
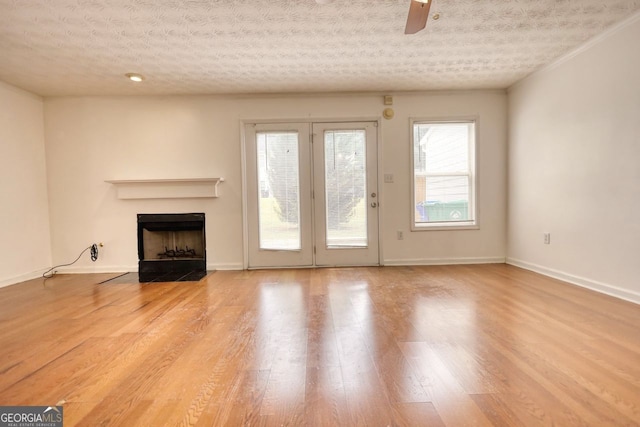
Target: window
(443, 154)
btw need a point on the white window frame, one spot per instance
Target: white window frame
(473, 223)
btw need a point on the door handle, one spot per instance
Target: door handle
(374, 204)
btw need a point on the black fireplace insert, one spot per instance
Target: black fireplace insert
(171, 247)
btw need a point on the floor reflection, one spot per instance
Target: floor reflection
(281, 335)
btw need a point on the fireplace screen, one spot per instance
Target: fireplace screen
(181, 244)
(171, 246)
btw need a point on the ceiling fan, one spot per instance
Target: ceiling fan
(418, 14)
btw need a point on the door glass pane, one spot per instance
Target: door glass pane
(345, 188)
(278, 191)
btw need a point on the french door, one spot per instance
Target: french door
(312, 196)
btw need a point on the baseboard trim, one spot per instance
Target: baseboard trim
(583, 282)
(97, 269)
(134, 268)
(445, 261)
(22, 278)
(227, 266)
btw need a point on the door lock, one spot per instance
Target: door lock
(373, 194)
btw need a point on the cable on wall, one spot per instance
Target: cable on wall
(94, 256)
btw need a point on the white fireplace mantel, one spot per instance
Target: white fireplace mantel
(182, 188)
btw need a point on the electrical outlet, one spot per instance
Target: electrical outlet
(400, 235)
(547, 238)
(388, 178)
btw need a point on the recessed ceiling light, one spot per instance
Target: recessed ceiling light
(135, 77)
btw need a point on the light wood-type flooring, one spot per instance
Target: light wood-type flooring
(415, 346)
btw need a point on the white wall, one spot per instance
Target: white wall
(25, 249)
(574, 167)
(93, 139)
(488, 244)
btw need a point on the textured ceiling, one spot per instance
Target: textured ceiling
(84, 47)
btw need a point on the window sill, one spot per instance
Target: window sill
(444, 227)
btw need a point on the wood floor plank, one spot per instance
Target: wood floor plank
(497, 410)
(533, 389)
(325, 397)
(453, 404)
(416, 414)
(322, 346)
(390, 346)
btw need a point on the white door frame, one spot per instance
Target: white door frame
(245, 220)
(302, 256)
(349, 255)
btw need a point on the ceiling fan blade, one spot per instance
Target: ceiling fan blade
(417, 19)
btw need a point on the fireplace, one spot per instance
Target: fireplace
(171, 247)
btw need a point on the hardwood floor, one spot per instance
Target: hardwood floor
(415, 346)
